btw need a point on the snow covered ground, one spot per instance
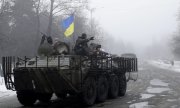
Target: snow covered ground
(165, 64)
(3, 91)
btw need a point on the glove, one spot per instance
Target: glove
(92, 38)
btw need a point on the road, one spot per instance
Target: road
(155, 88)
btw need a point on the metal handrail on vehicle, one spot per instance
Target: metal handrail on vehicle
(96, 64)
(7, 71)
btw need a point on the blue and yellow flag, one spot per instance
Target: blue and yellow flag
(68, 25)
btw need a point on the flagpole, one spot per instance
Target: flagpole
(91, 15)
(74, 38)
(91, 21)
(74, 41)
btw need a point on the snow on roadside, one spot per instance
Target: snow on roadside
(166, 65)
(3, 91)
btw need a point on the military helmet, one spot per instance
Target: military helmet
(84, 36)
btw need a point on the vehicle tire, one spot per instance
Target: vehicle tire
(44, 97)
(122, 84)
(102, 89)
(113, 86)
(89, 91)
(26, 98)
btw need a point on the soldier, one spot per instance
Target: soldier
(81, 46)
(45, 48)
(172, 62)
(49, 39)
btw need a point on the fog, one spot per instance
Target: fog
(144, 27)
(83, 52)
(140, 25)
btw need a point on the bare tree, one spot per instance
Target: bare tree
(62, 7)
(4, 26)
(49, 29)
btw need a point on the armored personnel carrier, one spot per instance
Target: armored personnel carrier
(94, 77)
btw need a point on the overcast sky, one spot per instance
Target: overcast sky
(137, 21)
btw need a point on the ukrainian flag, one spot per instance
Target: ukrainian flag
(68, 25)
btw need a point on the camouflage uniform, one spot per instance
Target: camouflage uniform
(45, 48)
(81, 46)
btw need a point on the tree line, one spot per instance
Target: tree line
(23, 21)
(175, 42)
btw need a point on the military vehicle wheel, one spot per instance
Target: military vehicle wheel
(122, 84)
(113, 86)
(102, 89)
(26, 98)
(44, 97)
(89, 91)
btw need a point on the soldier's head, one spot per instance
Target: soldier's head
(84, 36)
(49, 40)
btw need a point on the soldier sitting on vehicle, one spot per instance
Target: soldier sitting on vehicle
(45, 48)
(81, 46)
